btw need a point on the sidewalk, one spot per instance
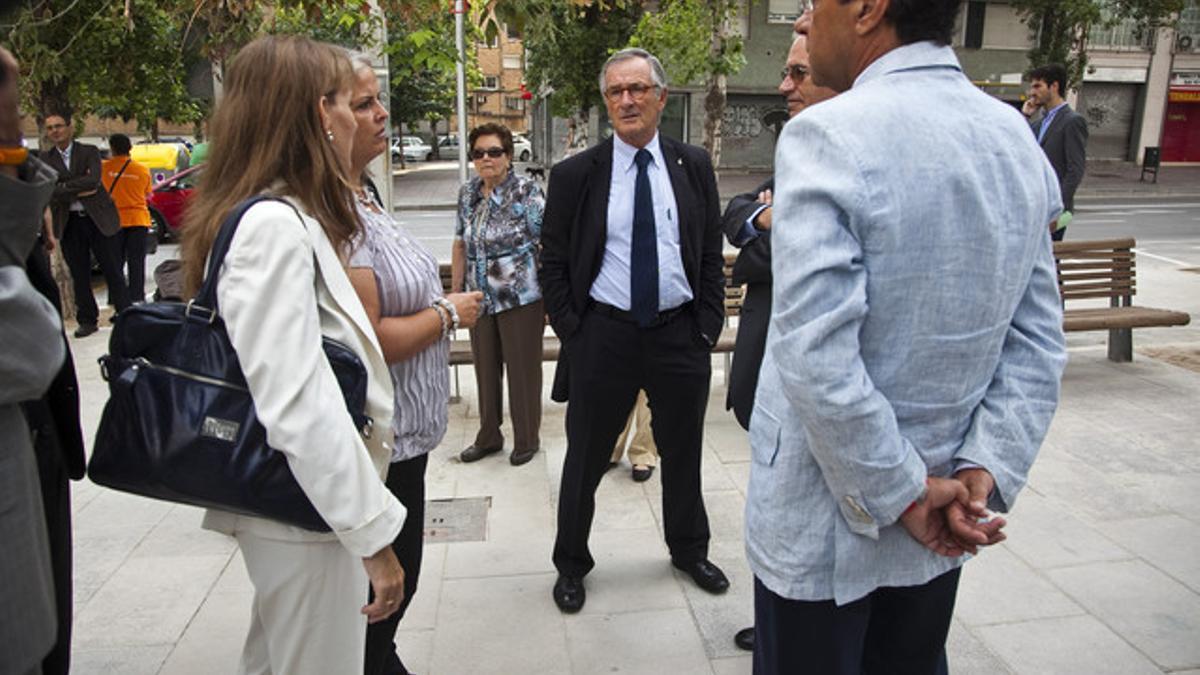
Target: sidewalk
(1101, 572)
(434, 185)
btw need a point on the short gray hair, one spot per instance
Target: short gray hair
(657, 74)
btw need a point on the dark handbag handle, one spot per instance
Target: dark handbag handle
(206, 297)
(119, 174)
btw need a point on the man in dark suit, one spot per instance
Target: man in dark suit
(84, 221)
(632, 278)
(1061, 132)
(747, 225)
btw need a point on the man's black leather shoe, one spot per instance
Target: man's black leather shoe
(519, 457)
(744, 639)
(85, 329)
(643, 474)
(569, 594)
(706, 575)
(474, 453)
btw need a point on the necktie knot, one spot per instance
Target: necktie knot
(642, 159)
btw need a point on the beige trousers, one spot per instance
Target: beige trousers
(642, 451)
(305, 617)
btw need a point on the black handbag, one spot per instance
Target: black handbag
(180, 424)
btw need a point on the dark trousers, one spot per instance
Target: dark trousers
(406, 480)
(56, 500)
(893, 630)
(133, 259)
(509, 341)
(80, 241)
(609, 360)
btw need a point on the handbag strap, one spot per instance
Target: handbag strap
(119, 174)
(206, 297)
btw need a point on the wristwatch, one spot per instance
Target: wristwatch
(13, 156)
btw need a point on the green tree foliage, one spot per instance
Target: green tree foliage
(121, 59)
(695, 42)
(567, 42)
(423, 59)
(1059, 28)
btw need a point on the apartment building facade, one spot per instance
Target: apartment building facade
(1139, 90)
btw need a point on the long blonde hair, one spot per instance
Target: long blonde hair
(268, 129)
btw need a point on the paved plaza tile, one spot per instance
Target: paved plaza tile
(1100, 573)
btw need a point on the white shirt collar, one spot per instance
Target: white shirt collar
(623, 153)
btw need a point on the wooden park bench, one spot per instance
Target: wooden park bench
(1106, 269)
(460, 348)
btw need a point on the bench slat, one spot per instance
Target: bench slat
(1108, 318)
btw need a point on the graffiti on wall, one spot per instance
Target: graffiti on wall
(749, 129)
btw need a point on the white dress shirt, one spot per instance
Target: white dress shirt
(76, 205)
(612, 283)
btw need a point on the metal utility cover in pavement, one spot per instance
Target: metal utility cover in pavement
(456, 519)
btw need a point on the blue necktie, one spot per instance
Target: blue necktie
(643, 259)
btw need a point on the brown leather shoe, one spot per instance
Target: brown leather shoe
(474, 453)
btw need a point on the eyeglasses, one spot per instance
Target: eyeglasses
(637, 91)
(494, 153)
(795, 71)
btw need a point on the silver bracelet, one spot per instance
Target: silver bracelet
(444, 316)
(449, 307)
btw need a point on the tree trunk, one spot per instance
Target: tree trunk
(714, 113)
(582, 121)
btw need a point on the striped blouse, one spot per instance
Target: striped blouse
(406, 274)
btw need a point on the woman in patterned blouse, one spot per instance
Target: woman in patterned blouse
(397, 279)
(496, 251)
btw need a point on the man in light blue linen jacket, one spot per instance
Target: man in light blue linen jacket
(915, 349)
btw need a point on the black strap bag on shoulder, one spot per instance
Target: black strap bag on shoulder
(180, 424)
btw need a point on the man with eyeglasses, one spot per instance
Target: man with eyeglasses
(85, 221)
(915, 345)
(633, 284)
(747, 225)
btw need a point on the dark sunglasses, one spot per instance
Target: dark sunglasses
(795, 71)
(494, 153)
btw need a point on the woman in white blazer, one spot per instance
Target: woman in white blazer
(284, 128)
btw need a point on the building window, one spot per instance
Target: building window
(490, 82)
(514, 103)
(1124, 36)
(512, 61)
(512, 32)
(491, 41)
(976, 11)
(786, 11)
(1188, 36)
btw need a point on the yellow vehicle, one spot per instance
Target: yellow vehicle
(163, 159)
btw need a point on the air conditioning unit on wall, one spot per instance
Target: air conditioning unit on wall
(1185, 43)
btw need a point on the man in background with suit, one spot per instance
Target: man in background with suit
(1061, 132)
(633, 283)
(747, 225)
(84, 221)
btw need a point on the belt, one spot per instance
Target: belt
(619, 314)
